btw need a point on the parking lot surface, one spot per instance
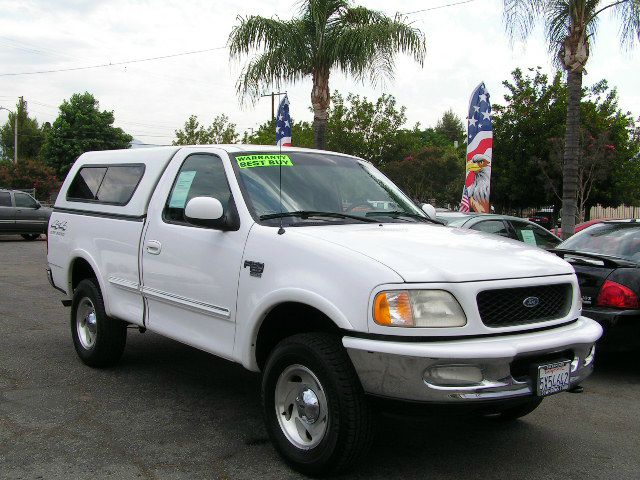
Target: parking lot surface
(169, 411)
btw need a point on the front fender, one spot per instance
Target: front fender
(247, 339)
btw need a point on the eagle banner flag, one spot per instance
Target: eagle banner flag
(475, 196)
(283, 124)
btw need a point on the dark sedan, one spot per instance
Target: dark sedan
(22, 214)
(606, 258)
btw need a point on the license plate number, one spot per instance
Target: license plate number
(553, 378)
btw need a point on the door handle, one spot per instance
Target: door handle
(154, 247)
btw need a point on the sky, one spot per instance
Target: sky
(466, 44)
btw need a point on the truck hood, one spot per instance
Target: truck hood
(432, 253)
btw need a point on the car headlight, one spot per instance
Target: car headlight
(418, 308)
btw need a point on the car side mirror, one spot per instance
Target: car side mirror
(207, 212)
(38, 205)
(429, 210)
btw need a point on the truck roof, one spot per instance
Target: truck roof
(155, 160)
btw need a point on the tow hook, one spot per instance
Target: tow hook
(576, 389)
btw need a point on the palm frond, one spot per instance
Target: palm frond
(628, 13)
(520, 16)
(285, 47)
(365, 42)
(271, 69)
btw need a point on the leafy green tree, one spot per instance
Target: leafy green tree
(528, 150)
(301, 134)
(451, 127)
(220, 131)
(327, 35)
(29, 173)
(435, 174)
(534, 112)
(571, 26)
(30, 135)
(371, 130)
(80, 127)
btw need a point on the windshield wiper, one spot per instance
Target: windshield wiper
(312, 213)
(400, 213)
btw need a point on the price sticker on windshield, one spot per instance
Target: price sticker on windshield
(252, 161)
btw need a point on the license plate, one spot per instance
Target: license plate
(553, 378)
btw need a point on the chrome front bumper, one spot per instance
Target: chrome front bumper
(480, 369)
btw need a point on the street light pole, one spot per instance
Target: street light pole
(15, 135)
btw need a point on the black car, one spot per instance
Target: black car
(22, 214)
(606, 258)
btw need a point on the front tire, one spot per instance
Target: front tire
(98, 339)
(314, 407)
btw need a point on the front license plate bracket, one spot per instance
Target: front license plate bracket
(553, 377)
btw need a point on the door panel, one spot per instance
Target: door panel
(190, 273)
(29, 217)
(7, 213)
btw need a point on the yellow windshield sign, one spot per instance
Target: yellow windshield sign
(252, 161)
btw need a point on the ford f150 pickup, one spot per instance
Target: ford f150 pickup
(316, 270)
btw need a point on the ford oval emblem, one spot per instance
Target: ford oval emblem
(531, 302)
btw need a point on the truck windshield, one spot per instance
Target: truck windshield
(346, 189)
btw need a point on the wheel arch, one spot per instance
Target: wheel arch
(286, 318)
(83, 266)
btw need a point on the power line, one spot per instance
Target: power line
(112, 64)
(440, 6)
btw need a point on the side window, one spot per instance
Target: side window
(5, 199)
(534, 235)
(114, 184)
(119, 183)
(495, 227)
(86, 183)
(201, 175)
(24, 201)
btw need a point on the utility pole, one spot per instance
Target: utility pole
(15, 134)
(273, 102)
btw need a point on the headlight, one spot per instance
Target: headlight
(418, 308)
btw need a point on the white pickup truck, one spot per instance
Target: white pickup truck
(314, 269)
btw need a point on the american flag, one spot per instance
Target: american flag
(464, 204)
(475, 195)
(283, 124)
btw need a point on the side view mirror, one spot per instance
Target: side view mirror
(208, 212)
(429, 210)
(38, 205)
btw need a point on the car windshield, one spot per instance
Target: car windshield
(621, 240)
(313, 184)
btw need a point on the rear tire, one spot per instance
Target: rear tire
(98, 339)
(315, 409)
(30, 236)
(514, 413)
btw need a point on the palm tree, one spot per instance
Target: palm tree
(570, 28)
(327, 35)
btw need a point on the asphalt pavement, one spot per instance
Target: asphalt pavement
(169, 411)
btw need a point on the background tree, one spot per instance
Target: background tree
(450, 126)
(371, 130)
(29, 173)
(570, 27)
(221, 130)
(327, 35)
(30, 135)
(529, 130)
(433, 175)
(80, 127)
(265, 134)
